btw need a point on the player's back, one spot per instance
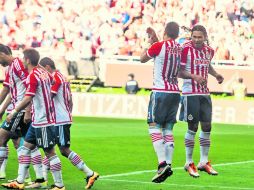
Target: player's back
(167, 55)
(39, 85)
(16, 76)
(61, 100)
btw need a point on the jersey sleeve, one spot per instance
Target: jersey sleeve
(32, 84)
(20, 70)
(184, 55)
(56, 85)
(154, 49)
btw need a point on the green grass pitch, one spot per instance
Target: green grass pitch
(123, 146)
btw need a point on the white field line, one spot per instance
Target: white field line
(177, 168)
(182, 185)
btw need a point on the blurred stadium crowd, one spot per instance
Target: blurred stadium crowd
(87, 29)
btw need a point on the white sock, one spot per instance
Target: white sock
(158, 143)
(56, 169)
(37, 162)
(4, 164)
(3, 153)
(189, 145)
(45, 168)
(169, 144)
(76, 161)
(204, 140)
(24, 156)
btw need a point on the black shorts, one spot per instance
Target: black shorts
(197, 108)
(163, 107)
(63, 135)
(16, 127)
(43, 137)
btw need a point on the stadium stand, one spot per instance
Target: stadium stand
(103, 28)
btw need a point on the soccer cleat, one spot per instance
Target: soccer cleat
(91, 179)
(164, 171)
(191, 169)
(27, 180)
(54, 187)
(14, 185)
(38, 183)
(207, 168)
(2, 175)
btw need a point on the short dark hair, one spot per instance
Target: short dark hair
(47, 61)
(199, 28)
(9, 49)
(33, 55)
(172, 30)
(4, 49)
(131, 75)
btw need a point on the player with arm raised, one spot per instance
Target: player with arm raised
(165, 96)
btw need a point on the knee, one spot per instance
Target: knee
(206, 127)
(65, 151)
(193, 127)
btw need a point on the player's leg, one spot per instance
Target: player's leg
(24, 157)
(171, 104)
(4, 164)
(45, 167)
(204, 137)
(45, 137)
(157, 137)
(5, 136)
(191, 115)
(63, 141)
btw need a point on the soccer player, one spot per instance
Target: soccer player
(41, 133)
(197, 106)
(165, 96)
(62, 99)
(14, 83)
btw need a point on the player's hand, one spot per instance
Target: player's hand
(27, 117)
(219, 78)
(200, 80)
(9, 118)
(151, 35)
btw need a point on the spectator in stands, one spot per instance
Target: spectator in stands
(43, 24)
(239, 89)
(131, 86)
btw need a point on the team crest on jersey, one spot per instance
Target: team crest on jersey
(190, 117)
(208, 56)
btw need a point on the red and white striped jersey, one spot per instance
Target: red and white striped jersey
(61, 100)
(15, 80)
(166, 56)
(39, 86)
(196, 61)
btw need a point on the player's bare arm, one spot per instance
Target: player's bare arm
(71, 103)
(186, 75)
(218, 76)
(22, 105)
(5, 105)
(4, 93)
(28, 115)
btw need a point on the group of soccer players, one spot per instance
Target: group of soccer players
(192, 62)
(38, 101)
